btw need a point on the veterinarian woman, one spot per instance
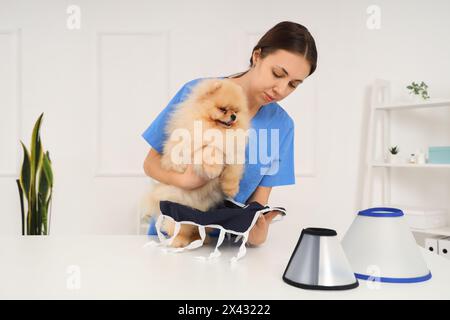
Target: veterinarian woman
(283, 58)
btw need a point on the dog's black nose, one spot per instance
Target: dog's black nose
(233, 117)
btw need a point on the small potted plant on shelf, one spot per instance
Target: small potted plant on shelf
(393, 155)
(418, 92)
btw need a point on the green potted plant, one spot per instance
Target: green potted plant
(418, 92)
(35, 186)
(393, 154)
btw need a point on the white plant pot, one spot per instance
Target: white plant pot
(394, 158)
(414, 98)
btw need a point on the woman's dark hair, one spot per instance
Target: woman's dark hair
(289, 36)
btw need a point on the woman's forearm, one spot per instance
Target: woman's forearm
(187, 180)
(258, 234)
(153, 169)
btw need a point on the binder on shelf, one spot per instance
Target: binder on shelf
(432, 243)
(444, 247)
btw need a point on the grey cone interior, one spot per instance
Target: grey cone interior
(319, 262)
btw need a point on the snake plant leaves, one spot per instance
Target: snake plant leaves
(36, 155)
(45, 179)
(36, 149)
(47, 168)
(36, 182)
(21, 205)
(47, 217)
(40, 214)
(25, 175)
(44, 194)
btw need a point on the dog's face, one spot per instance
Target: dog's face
(224, 104)
(225, 115)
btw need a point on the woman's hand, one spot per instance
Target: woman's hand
(258, 234)
(189, 180)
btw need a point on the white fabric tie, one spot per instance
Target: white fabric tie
(216, 253)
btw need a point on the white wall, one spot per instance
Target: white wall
(102, 85)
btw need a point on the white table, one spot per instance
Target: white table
(119, 267)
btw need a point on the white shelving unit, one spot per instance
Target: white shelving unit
(382, 107)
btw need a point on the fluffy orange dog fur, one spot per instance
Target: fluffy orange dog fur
(219, 104)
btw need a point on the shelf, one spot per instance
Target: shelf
(444, 231)
(410, 165)
(379, 136)
(416, 105)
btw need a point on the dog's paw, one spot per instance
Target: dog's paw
(230, 189)
(180, 168)
(180, 241)
(212, 171)
(208, 239)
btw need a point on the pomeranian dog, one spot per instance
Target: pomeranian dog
(216, 109)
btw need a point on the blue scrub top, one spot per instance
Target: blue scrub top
(267, 167)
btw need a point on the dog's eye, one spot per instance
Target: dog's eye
(224, 110)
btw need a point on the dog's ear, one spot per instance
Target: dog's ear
(207, 88)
